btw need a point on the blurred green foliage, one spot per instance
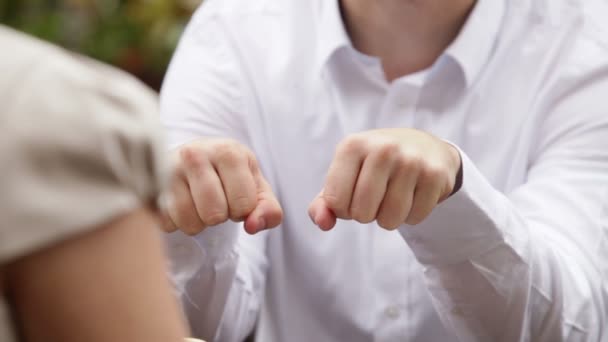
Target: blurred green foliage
(136, 35)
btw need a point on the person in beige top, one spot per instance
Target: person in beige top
(81, 171)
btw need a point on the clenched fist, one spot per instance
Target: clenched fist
(218, 180)
(392, 176)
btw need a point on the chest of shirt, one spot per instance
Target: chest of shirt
(496, 127)
(493, 126)
(491, 110)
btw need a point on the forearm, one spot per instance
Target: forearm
(2, 281)
(548, 293)
(515, 268)
(107, 285)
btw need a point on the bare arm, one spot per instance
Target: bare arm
(1, 281)
(107, 285)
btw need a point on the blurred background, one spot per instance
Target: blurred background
(138, 36)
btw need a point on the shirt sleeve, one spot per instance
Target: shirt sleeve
(529, 265)
(220, 273)
(80, 145)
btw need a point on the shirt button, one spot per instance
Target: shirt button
(457, 312)
(392, 312)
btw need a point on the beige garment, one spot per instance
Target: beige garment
(78, 146)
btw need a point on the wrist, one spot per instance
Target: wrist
(455, 162)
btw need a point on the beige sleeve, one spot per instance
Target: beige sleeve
(79, 146)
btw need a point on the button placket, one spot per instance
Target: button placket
(400, 105)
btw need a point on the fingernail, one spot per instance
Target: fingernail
(261, 224)
(317, 218)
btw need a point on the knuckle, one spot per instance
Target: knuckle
(416, 218)
(252, 160)
(228, 153)
(186, 219)
(352, 144)
(241, 206)
(387, 223)
(387, 152)
(190, 225)
(192, 157)
(390, 217)
(408, 162)
(215, 217)
(337, 205)
(332, 201)
(249, 155)
(362, 216)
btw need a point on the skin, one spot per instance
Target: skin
(391, 176)
(2, 281)
(104, 286)
(218, 180)
(407, 35)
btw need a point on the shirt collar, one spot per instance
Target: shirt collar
(470, 50)
(331, 34)
(476, 41)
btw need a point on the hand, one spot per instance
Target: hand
(392, 176)
(217, 180)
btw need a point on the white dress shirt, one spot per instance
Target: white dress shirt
(520, 253)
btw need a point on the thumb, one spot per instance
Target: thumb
(320, 214)
(268, 212)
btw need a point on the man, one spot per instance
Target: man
(453, 153)
(82, 166)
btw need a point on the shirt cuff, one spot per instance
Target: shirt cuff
(187, 254)
(218, 242)
(466, 225)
